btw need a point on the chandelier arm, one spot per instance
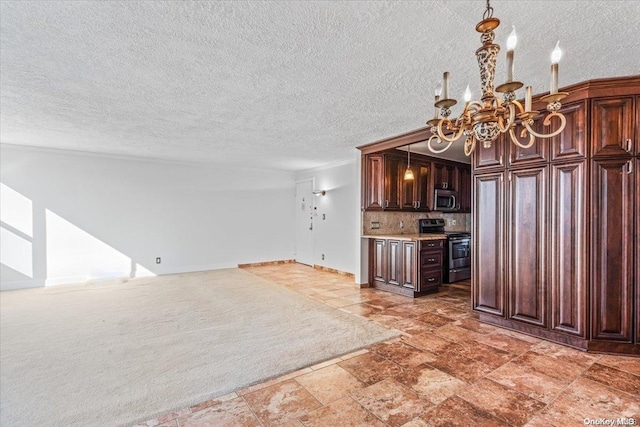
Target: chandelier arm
(434, 150)
(470, 142)
(511, 118)
(514, 139)
(456, 136)
(547, 122)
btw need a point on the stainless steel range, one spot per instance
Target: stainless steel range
(457, 265)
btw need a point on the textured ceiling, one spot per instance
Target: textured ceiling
(278, 84)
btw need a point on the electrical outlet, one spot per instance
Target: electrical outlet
(401, 224)
(323, 257)
(158, 260)
(375, 225)
(453, 222)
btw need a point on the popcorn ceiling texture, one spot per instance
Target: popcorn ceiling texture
(278, 84)
(390, 222)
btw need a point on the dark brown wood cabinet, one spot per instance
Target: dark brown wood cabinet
(488, 237)
(373, 182)
(445, 176)
(431, 264)
(566, 265)
(409, 264)
(527, 246)
(464, 189)
(612, 126)
(492, 158)
(536, 154)
(384, 187)
(612, 240)
(415, 193)
(571, 143)
(407, 267)
(567, 236)
(393, 174)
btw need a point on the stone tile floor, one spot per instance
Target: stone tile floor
(447, 369)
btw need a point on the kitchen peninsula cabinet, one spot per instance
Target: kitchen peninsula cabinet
(561, 260)
(409, 265)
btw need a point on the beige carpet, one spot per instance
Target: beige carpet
(118, 353)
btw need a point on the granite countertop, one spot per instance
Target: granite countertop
(406, 236)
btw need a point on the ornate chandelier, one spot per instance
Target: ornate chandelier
(484, 120)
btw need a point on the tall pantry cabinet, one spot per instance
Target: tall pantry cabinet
(556, 226)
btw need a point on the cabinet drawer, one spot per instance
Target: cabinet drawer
(430, 279)
(431, 244)
(431, 260)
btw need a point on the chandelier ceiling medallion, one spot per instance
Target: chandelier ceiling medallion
(484, 120)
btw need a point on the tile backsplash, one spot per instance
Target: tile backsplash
(390, 222)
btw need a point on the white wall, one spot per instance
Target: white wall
(96, 216)
(335, 236)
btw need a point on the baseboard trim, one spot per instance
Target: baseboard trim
(333, 270)
(260, 264)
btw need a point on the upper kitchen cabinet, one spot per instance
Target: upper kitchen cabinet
(537, 153)
(384, 187)
(571, 144)
(464, 188)
(485, 159)
(415, 193)
(445, 176)
(612, 121)
(382, 182)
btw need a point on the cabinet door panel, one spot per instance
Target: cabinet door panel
(612, 120)
(637, 215)
(537, 153)
(378, 261)
(423, 184)
(568, 252)
(571, 143)
(464, 188)
(408, 187)
(489, 158)
(394, 252)
(374, 182)
(488, 243)
(392, 181)
(612, 249)
(409, 261)
(527, 249)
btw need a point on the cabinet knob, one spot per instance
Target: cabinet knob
(431, 260)
(431, 279)
(630, 166)
(628, 144)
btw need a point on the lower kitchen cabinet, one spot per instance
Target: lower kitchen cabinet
(406, 267)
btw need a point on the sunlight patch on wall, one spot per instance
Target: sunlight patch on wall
(73, 255)
(16, 252)
(16, 210)
(143, 272)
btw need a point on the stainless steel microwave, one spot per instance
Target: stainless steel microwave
(445, 200)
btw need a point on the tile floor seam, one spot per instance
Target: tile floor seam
(513, 390)
(368, 411)
(607, 384)
(251, 410)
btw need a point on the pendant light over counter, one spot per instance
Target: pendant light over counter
(408, 174)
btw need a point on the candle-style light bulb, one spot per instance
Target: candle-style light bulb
(556, 55)
(467, 94)
(512, 41)
(439, 88)
(555, 58)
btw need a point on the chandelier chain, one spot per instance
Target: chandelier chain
(489, 12)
